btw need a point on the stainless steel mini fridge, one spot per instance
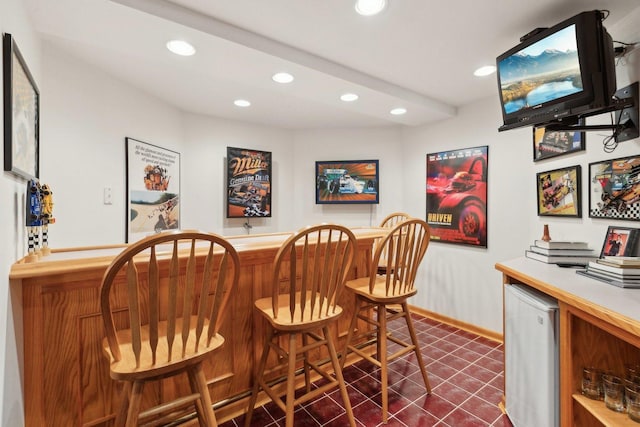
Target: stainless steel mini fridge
(531, 357)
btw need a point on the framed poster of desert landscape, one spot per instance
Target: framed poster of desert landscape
(457, 196)
(248, 183)
(559, 192)
(347, 181)
(153, 189)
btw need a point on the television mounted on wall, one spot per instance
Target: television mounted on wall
(347, 182)
(558, 73)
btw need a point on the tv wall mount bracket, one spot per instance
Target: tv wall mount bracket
(627, 123)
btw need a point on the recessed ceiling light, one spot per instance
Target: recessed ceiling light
(485, 71)
(398, 111)
(241, 103)
(180, 47)
(370, 7)
(349, 97)
(282, 78)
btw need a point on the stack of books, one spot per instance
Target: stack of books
(618, 271)
(561, 252)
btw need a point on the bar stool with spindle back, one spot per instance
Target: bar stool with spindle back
(163, 300)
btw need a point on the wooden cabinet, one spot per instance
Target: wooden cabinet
(66, 375)
(599, 326)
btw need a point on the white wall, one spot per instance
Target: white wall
(13, 20)
(86, 114)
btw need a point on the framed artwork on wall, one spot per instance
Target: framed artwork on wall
(21, 114)
(347, 182)
(548, 144)
(614, 189)
(248, 183)
(559, 192)
(457, 196)
(153, 189)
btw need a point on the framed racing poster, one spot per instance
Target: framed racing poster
(153, 189)
(248, 183)
(559, 192)
(548, 144)
(457, 196)
(614, 189)
(347, 181)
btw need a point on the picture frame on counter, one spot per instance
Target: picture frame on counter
(153, 189)
(558, 192)
(614, 189)
(21, 114)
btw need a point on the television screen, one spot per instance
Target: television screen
(544, 71)
(347, 181)
(562, 73)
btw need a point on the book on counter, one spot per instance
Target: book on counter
(570, 252)
(558, 244)
(574, 260)
(615, 281)
(613, 270)
(621, 261)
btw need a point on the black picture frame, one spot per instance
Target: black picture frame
(249, 183)
(556, 143)
(457, 191)
(21, 114)
(347, 182)
(614, 189)
(621, 242)
(558, 192)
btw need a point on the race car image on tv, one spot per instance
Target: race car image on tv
(339, 181)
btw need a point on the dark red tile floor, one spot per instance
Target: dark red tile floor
(465, 372)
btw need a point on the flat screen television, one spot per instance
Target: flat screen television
(558, 73)
(347, 181)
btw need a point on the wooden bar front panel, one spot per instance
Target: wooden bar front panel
(66, 375)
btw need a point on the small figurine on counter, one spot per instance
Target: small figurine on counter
(46, 200)
(33, 220)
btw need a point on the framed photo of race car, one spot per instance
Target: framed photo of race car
(559, 192)
(457, 196)
(248, 183)
(548, 144)
(614, 189)
(347, 181)
(153, 189)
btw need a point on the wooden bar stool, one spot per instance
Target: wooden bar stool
(163, 300)
(386, 294)
(309, 273)
(389, 222)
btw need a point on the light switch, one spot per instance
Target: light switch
(108, 198)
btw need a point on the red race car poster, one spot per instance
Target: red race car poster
(457, 196)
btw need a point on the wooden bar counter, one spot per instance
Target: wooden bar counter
(599, 327)
(65, 373)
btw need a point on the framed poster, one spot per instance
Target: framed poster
(153, 189)
(248, 183)
(621, 242)
(457, 196)
(614, 189)
(347, 182)
(21, 114)
(559, 192)
(556, 143)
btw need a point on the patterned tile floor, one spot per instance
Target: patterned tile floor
(465, 372)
